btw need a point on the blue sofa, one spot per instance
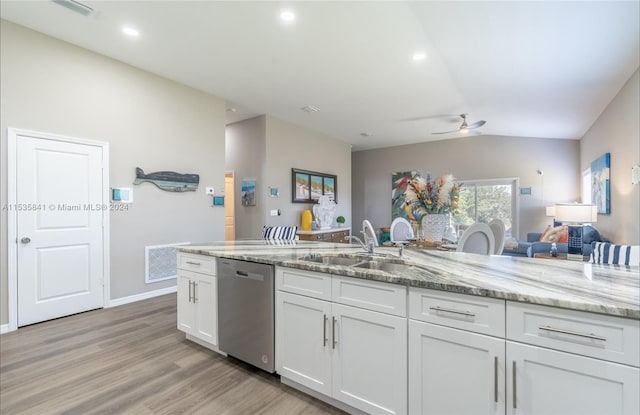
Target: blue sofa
(533, 246)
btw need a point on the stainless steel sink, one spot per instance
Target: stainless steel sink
(383, 266)
(332, 260)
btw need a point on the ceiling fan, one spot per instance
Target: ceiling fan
(464, 127)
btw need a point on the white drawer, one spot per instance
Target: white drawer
(198, 263)
(609, 338)
(309, 283)
(466, 312)
(371, 295)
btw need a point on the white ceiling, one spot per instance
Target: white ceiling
(530, 69)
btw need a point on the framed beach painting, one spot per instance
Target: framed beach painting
(600, 183)
(248, 192)
(307, 186)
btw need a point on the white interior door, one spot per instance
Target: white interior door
(229, 208)
(59, 224)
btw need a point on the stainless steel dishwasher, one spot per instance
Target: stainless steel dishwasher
(246, 312)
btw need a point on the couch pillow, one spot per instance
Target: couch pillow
(544, 232)
(590, 234)
(557, 234)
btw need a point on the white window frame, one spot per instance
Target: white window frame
(514, 182)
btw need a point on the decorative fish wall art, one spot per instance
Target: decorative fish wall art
(169, 180)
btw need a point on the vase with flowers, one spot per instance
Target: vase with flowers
(429, 203)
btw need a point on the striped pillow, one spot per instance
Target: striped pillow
(608, 253)
(280, 232)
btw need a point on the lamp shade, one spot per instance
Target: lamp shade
(576, 213)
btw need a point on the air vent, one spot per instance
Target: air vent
(160, 262)
(75, 6)
(310, 109)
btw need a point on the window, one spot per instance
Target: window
(485, 200)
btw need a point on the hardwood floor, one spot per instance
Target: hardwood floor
(132, 360)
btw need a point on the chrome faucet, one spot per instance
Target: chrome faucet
(368, 244)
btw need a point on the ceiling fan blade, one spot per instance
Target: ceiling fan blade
(476, 124)
(445, 117)
(447, 132)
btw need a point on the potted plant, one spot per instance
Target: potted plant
(340, 220)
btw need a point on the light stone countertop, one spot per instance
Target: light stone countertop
(605, 289)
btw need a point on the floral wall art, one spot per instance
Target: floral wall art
(413, 196)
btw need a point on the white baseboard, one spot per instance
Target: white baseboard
(4, 329)
(143, 296)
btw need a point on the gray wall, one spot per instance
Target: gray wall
(245, 156)
(267, 148)
(617, 131)
(290, 146)
(475, 157)
(151, 122)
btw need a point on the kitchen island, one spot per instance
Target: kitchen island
(414, 334)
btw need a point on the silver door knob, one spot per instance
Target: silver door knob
(25, 240)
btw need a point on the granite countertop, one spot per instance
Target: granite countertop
(605, 289)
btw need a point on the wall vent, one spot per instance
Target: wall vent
(160, 262)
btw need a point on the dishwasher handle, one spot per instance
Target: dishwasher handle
(249, 275)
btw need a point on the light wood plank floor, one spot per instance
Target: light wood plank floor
(132, 360)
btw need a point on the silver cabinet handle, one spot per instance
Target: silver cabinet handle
(495, 378)
(448, 310)
(193, 263)
(324, 331)
(573, 333)
(513, 384)
(333, 331)
(189, 291)
(25, 240)
(192, 286)
(195, 292)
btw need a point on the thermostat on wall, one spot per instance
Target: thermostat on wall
(122, 194)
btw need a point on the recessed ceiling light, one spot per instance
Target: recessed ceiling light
(287, 16)
(130, 31)
(419, 56)
(231, 110)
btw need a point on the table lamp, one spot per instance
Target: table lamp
(576, 215)
(550, 212)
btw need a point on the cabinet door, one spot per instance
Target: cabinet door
(303, 342)
(206, 306)
(186, 308)
(454, 371)
(550, 382)
(370, 360)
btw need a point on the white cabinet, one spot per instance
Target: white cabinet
(574, 362)
(454, 371)
(543, 381)
(454, 366)
(303, 343)
(369, 360)
(352, 354)
(197, 299)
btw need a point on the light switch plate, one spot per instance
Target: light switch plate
(635, 174)
(274, 212)
(209, 190)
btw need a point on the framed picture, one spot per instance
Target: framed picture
(248, 192)
(600, 185)
(308, 186)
